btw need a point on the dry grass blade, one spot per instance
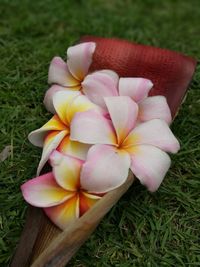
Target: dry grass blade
(5, 153)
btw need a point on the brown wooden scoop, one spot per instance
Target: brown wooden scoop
(42, 243)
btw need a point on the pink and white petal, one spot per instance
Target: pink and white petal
(81, 104)
(51, 142)
(62, 103)
(154, 132)
(123, 112)
(100, 84)
(64, 214)
(43, 191)
(60, 74)
(54, 124)
(150, 165)
(73, 148)
(66, 170)
(105, 169)
(91, 127)
(113, 75)
(48, 99)
(136, 88)
(80, 58)
(154, 107)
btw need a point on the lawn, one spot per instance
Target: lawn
(143, 229)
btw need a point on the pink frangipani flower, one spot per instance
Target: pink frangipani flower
(119, 143)
(55, 133)
(71, 76)
(60, 192)
(137, 89)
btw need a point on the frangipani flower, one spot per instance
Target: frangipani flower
(55, 133)
(60, 192)
(119, 145)
(154, 107)
(71, 75)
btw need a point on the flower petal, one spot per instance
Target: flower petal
(154, 107)
(52, 140)
(80, 59)
(48, 99)
(43, 191)
(80, 104)
(113, 75)
(66, 170)
(73, 148)
(150, 165)
(87, 201)
(37, 137)
(123, 112)
(99, 85)
(60, 74)
(106, 168)
(64, 214)
(91, 127)
(62, 102)
(136, 88)
(156, 133)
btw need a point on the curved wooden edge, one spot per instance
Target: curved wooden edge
(47, 233)
(67, 243)
(34, 220)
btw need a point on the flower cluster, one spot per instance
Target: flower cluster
(102, 126)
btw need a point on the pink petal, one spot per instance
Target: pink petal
(62, 101)
(48, 99)
(156, 133)
(99, 85)
(136, 88)
(112, 74)
(54, 124)
(66, 170)
(52, 141)
(91, 127)
(154, 107)
(80, 59)
(123, 112)
(43, 191)
(150, 165)
(106, 168)
(64, 214)
(73, 148)
(60, 74)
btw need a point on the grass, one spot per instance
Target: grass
(143, 229)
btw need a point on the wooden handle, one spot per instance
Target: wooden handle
(28, 238)
(67, 243)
